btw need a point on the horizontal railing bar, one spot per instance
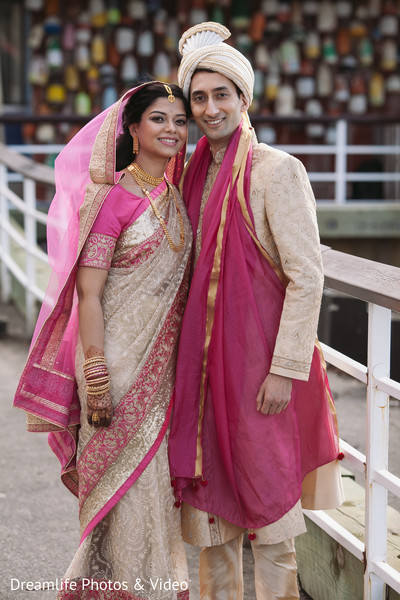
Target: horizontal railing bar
(358, 149)
(354, 176)
(345, 363)
(332, 149)
(307, 149)
(353, 456)
(22, 242)
(391, 387)
(37, 148)
(314, 176)
(389, 575)
(27, 149)
(331, 202)
(337, 532)
(22, 206)
(25, 165)
(361, 278)
(22, 278)
(47, 118)
(389, 481)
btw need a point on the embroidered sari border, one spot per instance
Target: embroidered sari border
(131, 480)
(126, 426)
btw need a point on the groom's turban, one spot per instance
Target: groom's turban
(203, 47)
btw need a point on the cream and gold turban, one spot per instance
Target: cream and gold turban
(202, 47)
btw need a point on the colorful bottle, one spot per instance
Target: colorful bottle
(83, 105)
(54, 55)
(377, 90)
(98, 49)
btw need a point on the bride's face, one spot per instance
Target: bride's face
(162, 130)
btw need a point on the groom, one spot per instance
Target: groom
(253, 433)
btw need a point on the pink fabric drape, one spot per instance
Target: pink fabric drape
(47, 388)
(253, 464)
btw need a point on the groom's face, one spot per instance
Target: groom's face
(216, 107)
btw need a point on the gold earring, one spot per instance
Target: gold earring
(135, 145)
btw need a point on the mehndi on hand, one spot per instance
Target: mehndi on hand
(100, 410)
(99, 401)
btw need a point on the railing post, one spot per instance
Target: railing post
(341, 161)
(31, 238)
(4, 238)
(379, 326)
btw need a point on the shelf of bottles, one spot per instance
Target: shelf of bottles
(310, 57)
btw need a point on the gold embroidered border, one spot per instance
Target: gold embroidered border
(53, 345)
(239, 162)
(293, 365)
(332, 406)
(97, 251)
(56, 407)
(249, 225)
(69, 377)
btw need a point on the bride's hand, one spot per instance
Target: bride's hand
(100, 410)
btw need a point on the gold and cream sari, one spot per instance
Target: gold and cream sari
(131, 545)
(129, 525)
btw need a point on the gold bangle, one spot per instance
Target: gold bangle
(94, 359)
(97, 387)
(97, 390)
(97, 393)
(98, 381)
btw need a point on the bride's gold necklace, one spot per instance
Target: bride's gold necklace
(134, 170)
(144, 176)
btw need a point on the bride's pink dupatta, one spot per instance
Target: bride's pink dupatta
(85, 174)
(251, 465)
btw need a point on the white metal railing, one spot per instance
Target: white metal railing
(339, 148)
(385, 291)
(25, 244)
(375, 283)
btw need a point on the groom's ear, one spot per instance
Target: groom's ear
(245, 105)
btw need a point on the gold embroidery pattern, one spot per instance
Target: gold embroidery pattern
(104, 448)
(140, 240)
(142, 320)
(59, 409)
(54, 371)
(140, 253)
(139, 538)
(293, 365)
(47, 347)
(97, 251)
(56, 387)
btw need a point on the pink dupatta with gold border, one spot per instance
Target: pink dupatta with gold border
(251, 465)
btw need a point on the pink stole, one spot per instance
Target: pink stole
(251, 465)
(47, 388)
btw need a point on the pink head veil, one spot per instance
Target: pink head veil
(78, 172)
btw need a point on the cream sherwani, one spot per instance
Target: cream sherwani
(284, 212)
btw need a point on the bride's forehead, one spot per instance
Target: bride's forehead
(165, 106)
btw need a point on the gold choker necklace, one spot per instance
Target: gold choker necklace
(143, 176)
(140, 182)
